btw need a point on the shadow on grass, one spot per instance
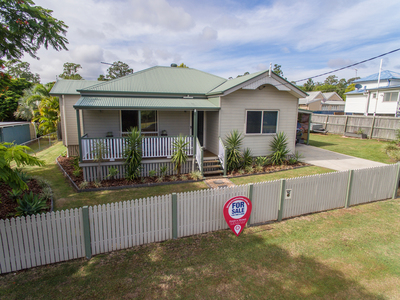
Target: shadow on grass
(320, 144)
(212, 266)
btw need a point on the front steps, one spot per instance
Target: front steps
(212, 166)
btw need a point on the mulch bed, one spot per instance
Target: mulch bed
(8, 205)
(67, 164)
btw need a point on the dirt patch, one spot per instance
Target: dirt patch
(8, 204)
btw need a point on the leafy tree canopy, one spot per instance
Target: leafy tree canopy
(21, 69)
(117, 70)
(102, 78)
(11, 89)
(24, 28)
(182, 65)
(71, 71)
(277, 70)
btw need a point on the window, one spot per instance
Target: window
(261, 121)
(390, 97)
(130, 118)
(374, 96)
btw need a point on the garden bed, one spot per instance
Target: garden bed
(67, 165)
(8, 205)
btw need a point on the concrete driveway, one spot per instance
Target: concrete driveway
(332, 160)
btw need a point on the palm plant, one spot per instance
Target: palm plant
(233, 144)
(247, 158)
(279, 148)
(133, 154)
(179, 156)
(30, 204)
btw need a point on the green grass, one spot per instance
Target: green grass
(306, 171)
(367, 149)
(340, 254)
(65, 197)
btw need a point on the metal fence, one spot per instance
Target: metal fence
(58, 236)
(42, 142)
(373, 127)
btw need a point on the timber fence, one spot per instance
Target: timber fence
(63, 235)
(373, 127)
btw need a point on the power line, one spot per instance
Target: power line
(349, 66)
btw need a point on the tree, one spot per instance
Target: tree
(21, 69)
(48, 114)
(309, 85)
(331, 80)
(277, 70)
(11, 89)
(24, 28)
(28, 104)
(182, 65)
(71, 71)
(16, 154)
(102, 78)
(117, 70)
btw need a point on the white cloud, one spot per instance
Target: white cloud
(209, 33)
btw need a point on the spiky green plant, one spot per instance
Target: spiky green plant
(233, 144)
(133, 154)
(179, 156)
(152, 173)
(14, 194)
(163, 170)
(261, 161)
(30, 204)
(112, 172)
(247, 158)
(279, 148)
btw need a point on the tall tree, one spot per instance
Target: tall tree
(24, 28)
(309, 85)
(48, 115)
(277, 70)
(11, 89)
(102, 78)
(331, 80)
(118, 69)
(71, 71)
(21, 69)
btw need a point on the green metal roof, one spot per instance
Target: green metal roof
(165, 80)
(143, 103)
(234, 82)
(70, 87)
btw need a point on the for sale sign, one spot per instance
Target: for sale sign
(237, 211)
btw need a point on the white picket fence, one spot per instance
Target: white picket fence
(64, 235)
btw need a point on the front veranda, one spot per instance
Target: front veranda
(106, 130)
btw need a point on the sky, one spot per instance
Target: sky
(225, 37)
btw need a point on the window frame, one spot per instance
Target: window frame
(144, 133)
(262, 121)
(384, 94)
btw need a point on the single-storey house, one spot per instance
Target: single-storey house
(322, 102)
(369, 98)
(164, 102)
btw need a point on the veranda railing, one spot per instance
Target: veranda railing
(113, 148)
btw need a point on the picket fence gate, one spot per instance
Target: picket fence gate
(42, 239)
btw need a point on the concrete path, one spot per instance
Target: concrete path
(332, 160)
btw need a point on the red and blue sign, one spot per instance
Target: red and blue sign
(237, 212)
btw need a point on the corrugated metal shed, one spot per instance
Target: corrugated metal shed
(70, 87)
(144, 103)
(165, 80)
(17, 132)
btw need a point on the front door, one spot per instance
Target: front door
(200, 126)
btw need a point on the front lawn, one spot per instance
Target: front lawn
(367, 148)
(339, 254)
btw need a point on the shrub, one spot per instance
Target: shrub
(112, 172)
(259, 168)
(184, 177)
(46, 193)
(133, 154)
(97, 183)
(241, 171)
(83, 185)
(196, 175)
(233, 144)
(249, 169)
(42, 182)
(279, 148)
(179, 156)
(392, 146)
(160, 179)
(76, 172)
(10, 153)
(247, 158)
(174, 178)
(152, 173)
(294, 158)
(30, 204)
(14, 194)
(163, 170)
(261, 161)
(23, 176)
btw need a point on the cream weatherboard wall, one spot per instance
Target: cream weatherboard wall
(97, 123)
(174, 122)
(69, 125)
(233, 116)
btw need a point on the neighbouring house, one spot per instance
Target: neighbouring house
(312, 101)
(17, 132)
(369, 98)
(164, 102)
(319, 102)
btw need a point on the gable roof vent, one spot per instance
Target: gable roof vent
(174, 65)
